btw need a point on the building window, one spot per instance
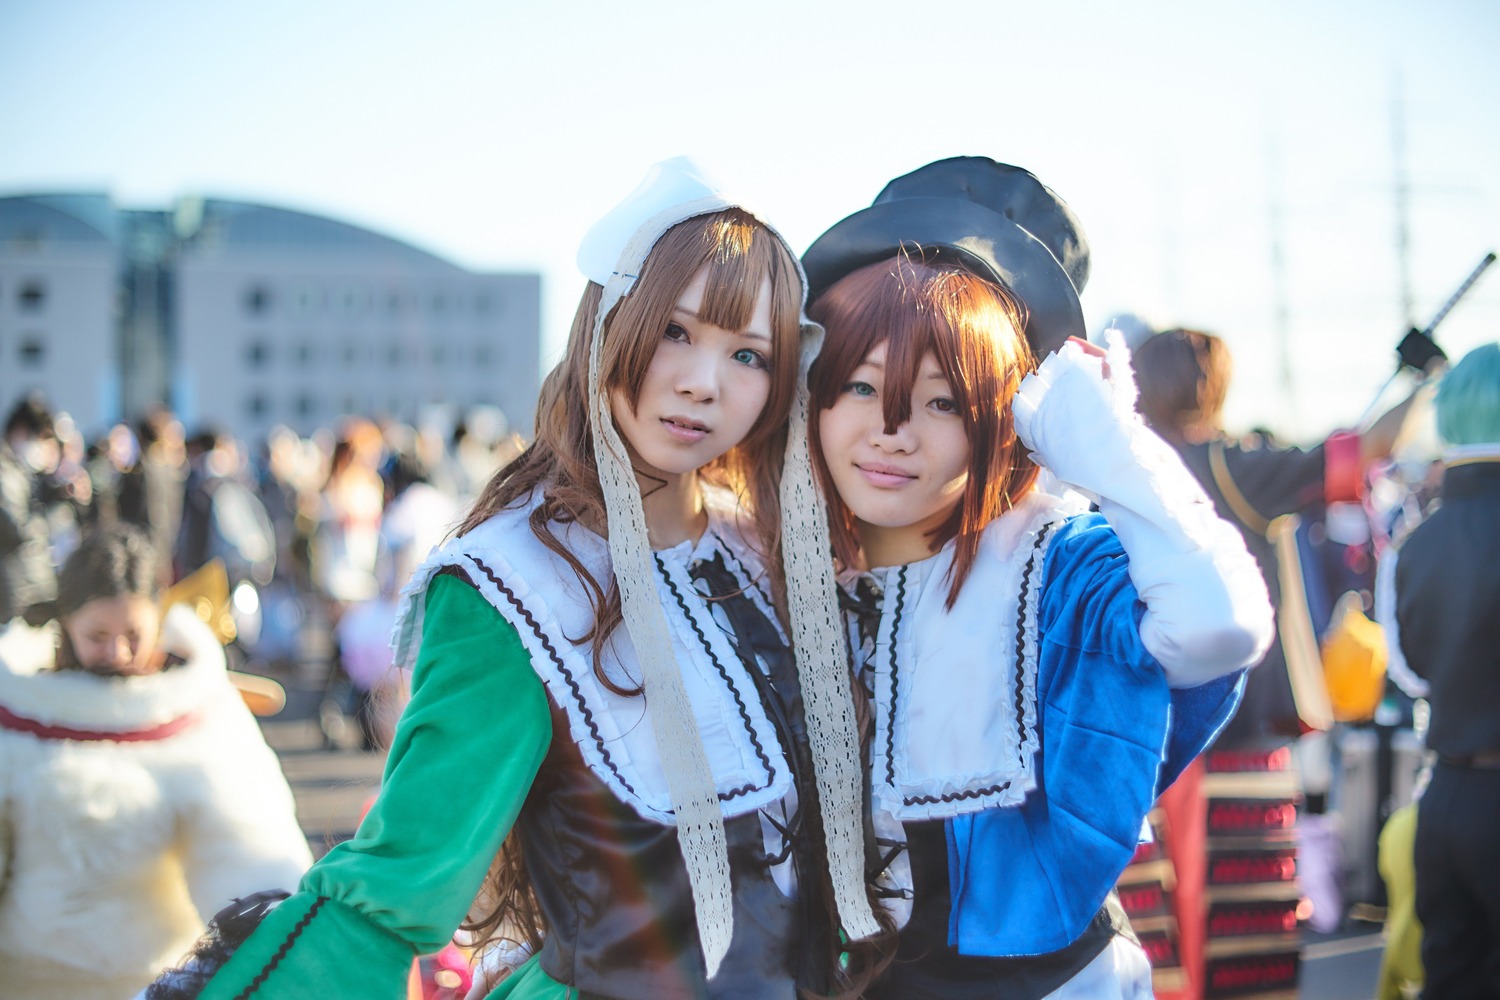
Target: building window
(306, 351)
(351, 352)
(258, 300)
(32, 296)
(439, 353)
(306, 405)
(393, 354)
(256, 406)
(257, 353)
(32, 351)
(483, 356)
(309, 298)
(393, 302)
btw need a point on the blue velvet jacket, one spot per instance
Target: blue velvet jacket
(1027, 880)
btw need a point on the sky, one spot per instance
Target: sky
(1200, 143)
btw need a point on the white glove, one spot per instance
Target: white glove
(1207, 612)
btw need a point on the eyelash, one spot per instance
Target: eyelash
(758, 360)
(942, 404)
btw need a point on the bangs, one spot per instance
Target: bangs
(740, 256)
(915, 307)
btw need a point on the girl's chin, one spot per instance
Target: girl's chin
(891, 526)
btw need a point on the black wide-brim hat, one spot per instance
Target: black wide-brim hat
(993, 219)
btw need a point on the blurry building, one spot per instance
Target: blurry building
(248, 316)
(59, 295)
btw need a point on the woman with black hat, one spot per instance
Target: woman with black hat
(1036, 672)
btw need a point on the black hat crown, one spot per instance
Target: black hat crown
(991, 218)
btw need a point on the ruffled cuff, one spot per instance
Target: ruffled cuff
(1074, 419)
(226, 932)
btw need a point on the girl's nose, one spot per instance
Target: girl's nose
(900, 440)
(698, 377)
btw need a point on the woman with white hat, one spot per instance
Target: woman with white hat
(603, 667)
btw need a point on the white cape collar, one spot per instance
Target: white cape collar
(955, 689)
(540, 596)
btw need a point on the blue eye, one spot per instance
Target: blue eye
(864, 389)
(753, 358)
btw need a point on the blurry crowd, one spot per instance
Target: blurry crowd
(326, 524)
(146, 578)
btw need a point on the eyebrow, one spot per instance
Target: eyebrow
(749, 334)
(880, 366)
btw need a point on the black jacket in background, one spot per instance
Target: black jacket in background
(28, 580)
(1448, 610)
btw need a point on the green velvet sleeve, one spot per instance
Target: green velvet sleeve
(463, 757)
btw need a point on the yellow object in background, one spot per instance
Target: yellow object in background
(206, 591)
(1401, 972)
(1299, 641)
(1354, 658)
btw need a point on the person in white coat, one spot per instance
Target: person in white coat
(137, 794)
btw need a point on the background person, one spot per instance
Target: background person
(137, 795)
(29, 450)
(1184, 377)
(1447, 577)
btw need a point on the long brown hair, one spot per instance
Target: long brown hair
(972, 327)
(740, 253)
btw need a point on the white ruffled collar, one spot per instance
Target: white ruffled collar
(31, 689)
(936, 755)
(540, 596)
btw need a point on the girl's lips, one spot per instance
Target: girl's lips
(686, 431)
(884, 476)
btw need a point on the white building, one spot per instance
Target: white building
(246, 316)
(59, 287)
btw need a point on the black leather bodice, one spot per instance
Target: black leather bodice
(613, 887)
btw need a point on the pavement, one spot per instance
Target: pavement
(1341, 966)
